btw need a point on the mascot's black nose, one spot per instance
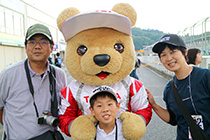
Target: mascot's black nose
(101, 59)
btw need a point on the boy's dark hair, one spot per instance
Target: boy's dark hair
(57, 54)
(102, 94)
(172, 47)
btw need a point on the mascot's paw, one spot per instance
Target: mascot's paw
(83, 128)
(133, 126)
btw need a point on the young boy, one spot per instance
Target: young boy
(104, 106)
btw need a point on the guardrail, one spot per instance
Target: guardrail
(153, 62)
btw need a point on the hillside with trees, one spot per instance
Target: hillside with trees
(145, 37)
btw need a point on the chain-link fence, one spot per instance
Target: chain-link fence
(198, 36)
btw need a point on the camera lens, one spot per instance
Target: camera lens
(55, 122)
(52, 121)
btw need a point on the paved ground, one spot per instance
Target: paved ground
(157, 129)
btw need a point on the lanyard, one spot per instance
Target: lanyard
(190, 92)
(115, 133)
(54, 103)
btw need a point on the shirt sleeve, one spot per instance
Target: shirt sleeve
(138, 101)
(172, 120)
(60, 78)
(4, 88)
(172, 116)
(68, 110)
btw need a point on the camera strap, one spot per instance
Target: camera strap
(54, 103)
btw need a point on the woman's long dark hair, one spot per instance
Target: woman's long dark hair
(192, 54)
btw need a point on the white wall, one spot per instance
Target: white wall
(10, 55)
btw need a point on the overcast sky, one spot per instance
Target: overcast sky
(169, 16)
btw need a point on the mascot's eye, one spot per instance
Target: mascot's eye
(81, 50)
(119, 47)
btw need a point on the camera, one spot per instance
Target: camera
(47, 118)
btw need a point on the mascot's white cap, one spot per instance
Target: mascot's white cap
(95, 19)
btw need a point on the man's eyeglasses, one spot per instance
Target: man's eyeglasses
(34, 43)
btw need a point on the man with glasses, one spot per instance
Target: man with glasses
(27, 89)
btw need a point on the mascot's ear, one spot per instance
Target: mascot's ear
(126, 10)
(65, 14)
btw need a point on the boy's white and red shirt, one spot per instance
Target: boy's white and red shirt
(74, 101)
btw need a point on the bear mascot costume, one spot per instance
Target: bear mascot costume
(100, 51)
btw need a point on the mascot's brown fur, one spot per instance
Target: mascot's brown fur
(80, 51)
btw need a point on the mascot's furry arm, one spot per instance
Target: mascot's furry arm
(132, 121)
(83, 128)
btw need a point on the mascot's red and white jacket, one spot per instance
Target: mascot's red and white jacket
(74, 102)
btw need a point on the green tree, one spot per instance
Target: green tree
(145, 37)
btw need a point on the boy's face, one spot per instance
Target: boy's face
(105, 110)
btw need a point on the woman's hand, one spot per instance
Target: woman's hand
(150, 98)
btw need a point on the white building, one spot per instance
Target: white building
(16, 16)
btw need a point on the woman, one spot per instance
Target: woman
(194, 57)
(192, 83)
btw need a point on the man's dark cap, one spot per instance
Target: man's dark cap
(38, 29)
